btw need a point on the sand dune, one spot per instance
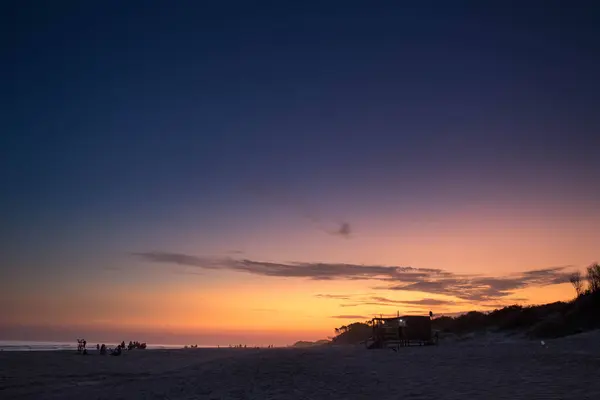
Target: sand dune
(563, 369)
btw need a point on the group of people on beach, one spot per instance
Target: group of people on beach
(81, 343)
(239, 346)
(102, 350)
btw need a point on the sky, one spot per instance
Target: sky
(262, 172)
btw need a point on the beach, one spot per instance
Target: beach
(565, 368)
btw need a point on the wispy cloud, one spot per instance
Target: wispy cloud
(380, 301)
(379, 304)
(477, 288)
(179, 259)
(334, 296)
(421, 302)
(316, 271)
(474, 288)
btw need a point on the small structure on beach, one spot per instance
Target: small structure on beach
(396, 332)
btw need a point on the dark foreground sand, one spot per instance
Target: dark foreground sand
(474, 369)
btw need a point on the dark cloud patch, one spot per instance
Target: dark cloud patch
(502, 284)
(324, 271)
(178, 259)
(473, 288)
(548, 276)
(386, 302)
(544, 273)
(318, 271)
(344, 230)
(420, 302)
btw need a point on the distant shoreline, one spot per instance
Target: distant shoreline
(26, 345)
(48, 346)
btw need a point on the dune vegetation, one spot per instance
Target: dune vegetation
(536, 322)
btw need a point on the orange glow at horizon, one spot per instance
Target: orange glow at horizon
(290, 309)
(163, 298)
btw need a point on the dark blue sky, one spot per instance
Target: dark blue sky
(121, 117)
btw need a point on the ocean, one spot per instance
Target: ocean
(15, 345)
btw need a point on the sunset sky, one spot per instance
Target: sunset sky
(262, 172)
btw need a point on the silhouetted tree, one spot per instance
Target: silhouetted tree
(577, 282)
(593, 277)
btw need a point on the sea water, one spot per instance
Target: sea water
(14, 345)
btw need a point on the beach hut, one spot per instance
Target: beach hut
(400, 331)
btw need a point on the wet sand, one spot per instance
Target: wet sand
(566, 368)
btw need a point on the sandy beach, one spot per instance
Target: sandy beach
(563, 369)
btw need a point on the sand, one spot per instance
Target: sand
(477, 367)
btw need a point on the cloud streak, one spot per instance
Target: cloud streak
(334, 296)
(380, 301)
(393, 278)
(421, 302)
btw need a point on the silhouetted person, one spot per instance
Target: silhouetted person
(98, 347)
